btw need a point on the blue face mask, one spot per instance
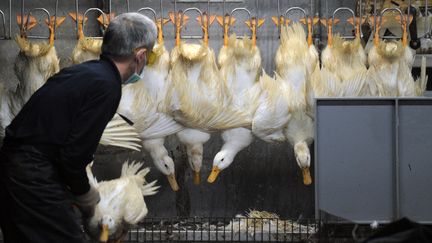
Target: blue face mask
(135, 77)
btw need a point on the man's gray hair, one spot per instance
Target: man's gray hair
(126, 33)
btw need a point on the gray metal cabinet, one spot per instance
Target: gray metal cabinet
(373, 159)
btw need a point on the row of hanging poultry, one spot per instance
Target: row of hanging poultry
(191, 94)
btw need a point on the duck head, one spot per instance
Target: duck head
(302, 155)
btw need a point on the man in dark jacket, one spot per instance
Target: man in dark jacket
(52, 139)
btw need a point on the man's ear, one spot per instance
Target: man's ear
(141, 54)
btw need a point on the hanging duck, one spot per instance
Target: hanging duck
(197, 97)
(35, 63)
(295, 61)
(390, 64)
(142, 103)
(87, 48)
(240, 66)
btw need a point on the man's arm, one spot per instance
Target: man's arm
(97, 109)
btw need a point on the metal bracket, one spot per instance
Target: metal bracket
(105, 19)
(44, 10)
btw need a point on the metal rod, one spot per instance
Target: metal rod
(127, 6)
(161, 15)
(109, 6)
(55, 17)
(224, 7)
(278, 8)
(311, 15)
(105, 18)
(77, 12)
(175, 16)
(22, 17)
(4, 25)
(375, 17)
(208, 19)
(10, 19)
(256, 10)
(427, 27)
(279, 19)
(361, 19)
(327, 10)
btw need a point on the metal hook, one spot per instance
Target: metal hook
(151, 10)
(105, 18)
(27, 21)
(44, 10)
(296, 8)
(381, 17)
(183, 13)
(249, 14)
(285, 15)
(354, 19)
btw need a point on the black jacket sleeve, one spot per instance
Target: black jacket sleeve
(98, 108)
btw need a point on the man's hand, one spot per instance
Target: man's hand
(87, 202)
